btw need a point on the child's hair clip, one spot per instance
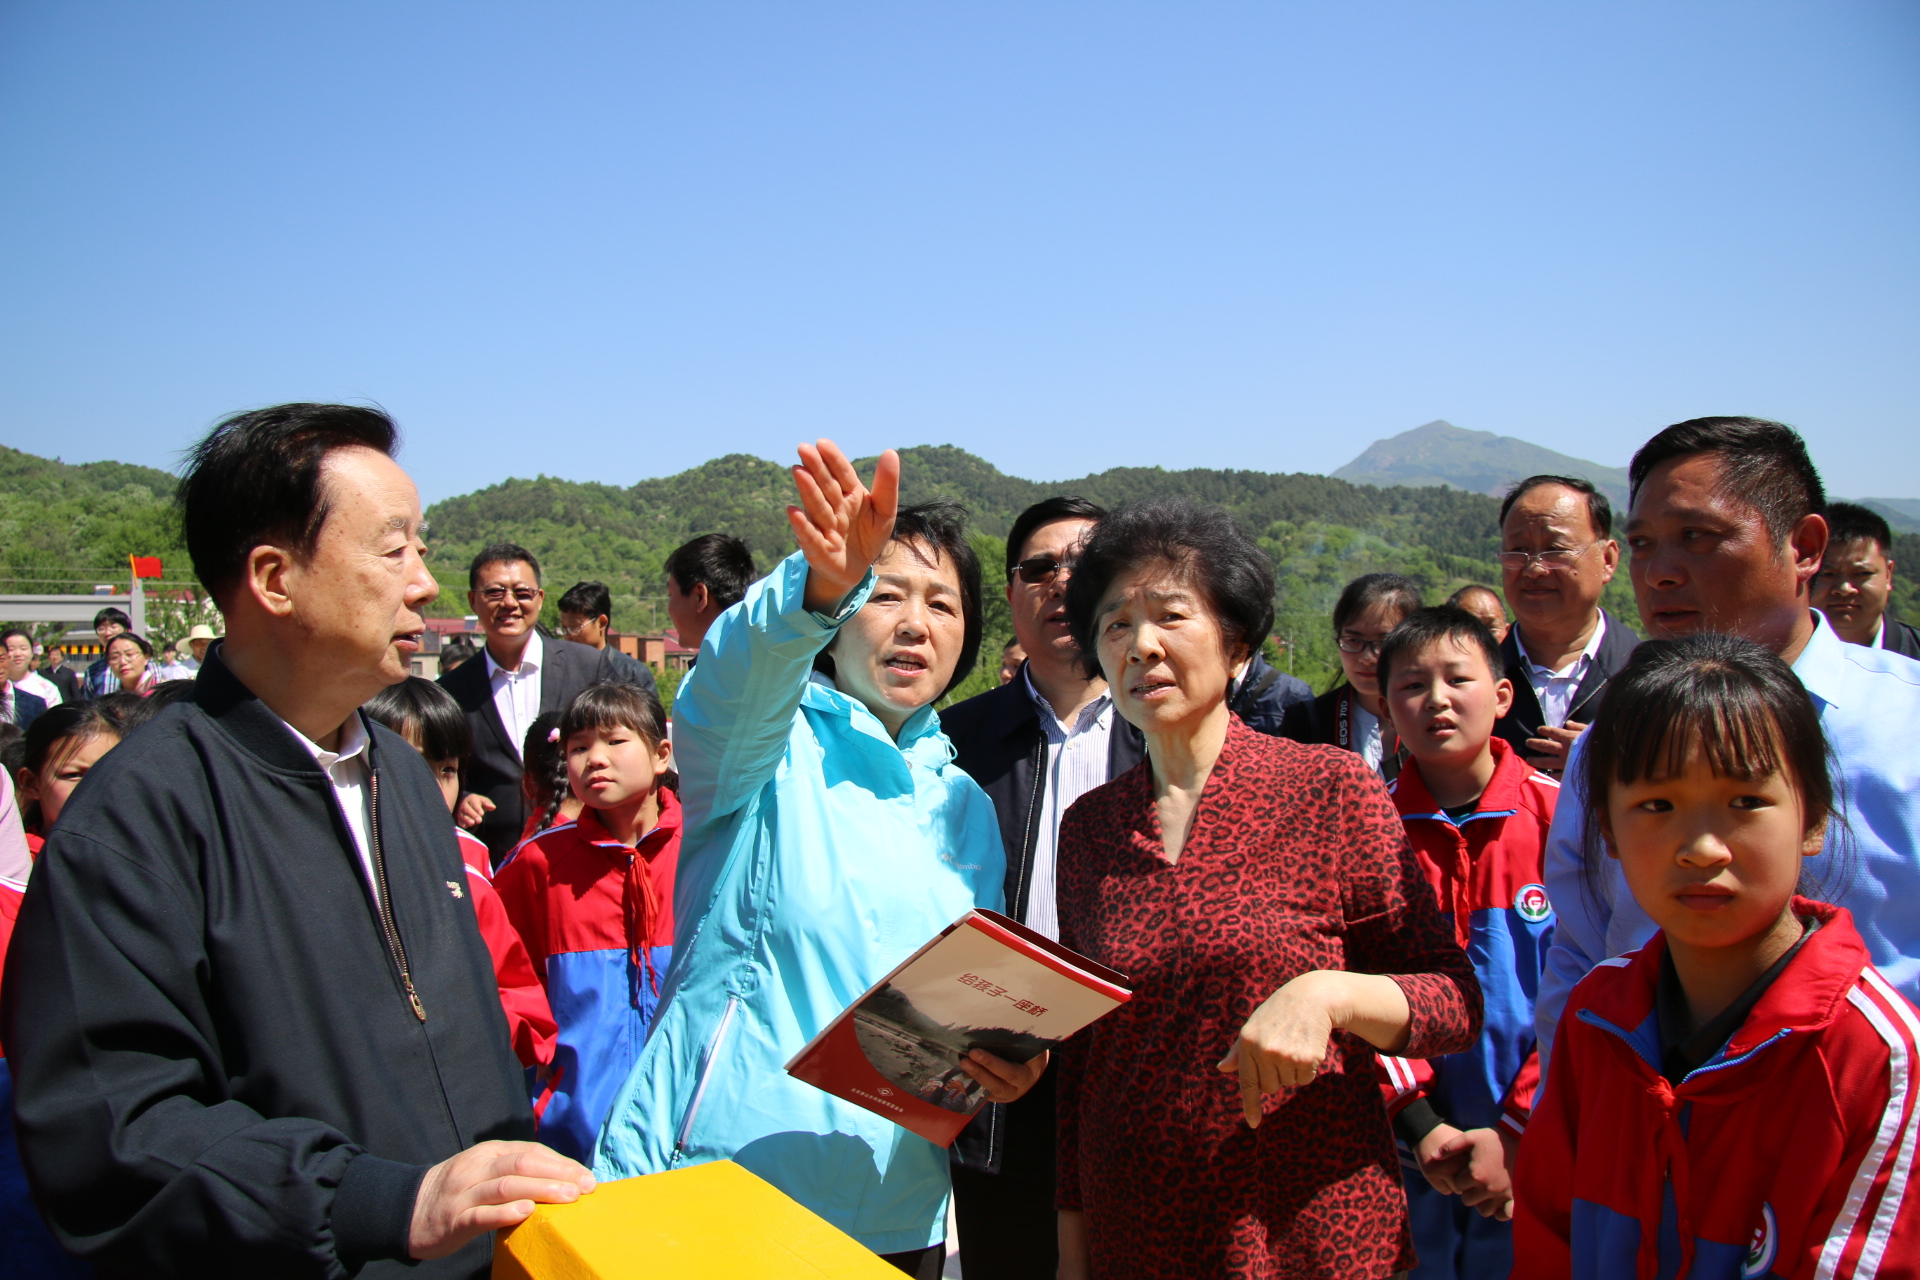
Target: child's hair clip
(553, 734)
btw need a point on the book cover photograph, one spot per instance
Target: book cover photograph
(986, 982)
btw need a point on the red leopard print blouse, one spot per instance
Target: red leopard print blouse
(1297, 861)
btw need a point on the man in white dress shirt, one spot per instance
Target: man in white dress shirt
(520, 675)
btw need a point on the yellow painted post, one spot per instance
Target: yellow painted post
(705, 1222)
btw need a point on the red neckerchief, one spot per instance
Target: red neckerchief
(639, 900)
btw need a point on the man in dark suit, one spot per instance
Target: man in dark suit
(1035, 745)
(63, 677)
(1856, 578)
(519, 676)
(1557, 556)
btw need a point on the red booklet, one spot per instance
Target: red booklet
(985, 982)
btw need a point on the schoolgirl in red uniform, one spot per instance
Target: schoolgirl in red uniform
(1737, 1098)
(593, 900)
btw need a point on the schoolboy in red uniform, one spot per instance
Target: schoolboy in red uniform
(593, 900)
(1739, 1097)
(1477, 816)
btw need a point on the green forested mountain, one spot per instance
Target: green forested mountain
(1321, 532)
(1479, 461)
(63, 527)
(60, 522)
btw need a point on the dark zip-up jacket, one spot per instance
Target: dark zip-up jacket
(1524, 719)
(230, 1059)
(998, 742)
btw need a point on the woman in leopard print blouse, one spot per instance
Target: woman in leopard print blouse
(1259, 892)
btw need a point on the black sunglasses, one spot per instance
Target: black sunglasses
(1039, 570)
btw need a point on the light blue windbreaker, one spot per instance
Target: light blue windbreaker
(817, 854)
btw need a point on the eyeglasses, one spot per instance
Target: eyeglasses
(498, 595)
(1039, 570)
(1354, 644)
(1552, 558)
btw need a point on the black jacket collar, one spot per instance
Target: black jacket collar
(250, 722)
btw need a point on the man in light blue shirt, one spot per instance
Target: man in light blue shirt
(1724, 535)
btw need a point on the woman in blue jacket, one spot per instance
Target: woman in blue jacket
(828, 834)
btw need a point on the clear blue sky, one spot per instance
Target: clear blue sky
(611, 240)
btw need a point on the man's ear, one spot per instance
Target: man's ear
(1609, 560)
(701, 597)
(266, 580)
(603, 622)
(1807, 545)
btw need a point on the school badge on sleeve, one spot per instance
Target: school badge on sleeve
(1531, 902)
(1766, 1242)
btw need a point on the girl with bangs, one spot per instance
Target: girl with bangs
(593, 901)
(1739, 1097)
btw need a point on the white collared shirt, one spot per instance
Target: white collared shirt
(41, 687)
(1554, 690)
(1879, 640)
(1366, 735)
(347, 770)
(516, 694)
(1076, 763)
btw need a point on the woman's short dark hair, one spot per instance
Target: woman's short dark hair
(424, 714)
(1763, 464)
(588, 600)
(256, 479)
(1043, 513)
(136, 637)
(941, 527)
(720, 562)
(1738, 702)
(1428, 626)
(1202, 543)
(1371, 589)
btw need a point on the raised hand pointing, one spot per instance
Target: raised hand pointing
(842, 526)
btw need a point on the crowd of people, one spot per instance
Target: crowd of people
(1530, 948)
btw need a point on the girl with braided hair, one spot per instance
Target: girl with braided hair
(543, 778)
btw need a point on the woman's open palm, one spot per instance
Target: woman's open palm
(842, 526)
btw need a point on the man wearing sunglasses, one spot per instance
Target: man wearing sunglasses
(1557, 555)
(519, 676)
(1035, 745)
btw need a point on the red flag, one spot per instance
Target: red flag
(145, 566)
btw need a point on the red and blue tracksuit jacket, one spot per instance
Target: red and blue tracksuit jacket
(1486, 870)
(597, 918)
(522, 995)
(1788, 1155)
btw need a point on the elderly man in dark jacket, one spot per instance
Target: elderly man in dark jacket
(253, 1028)
(1557, 556)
